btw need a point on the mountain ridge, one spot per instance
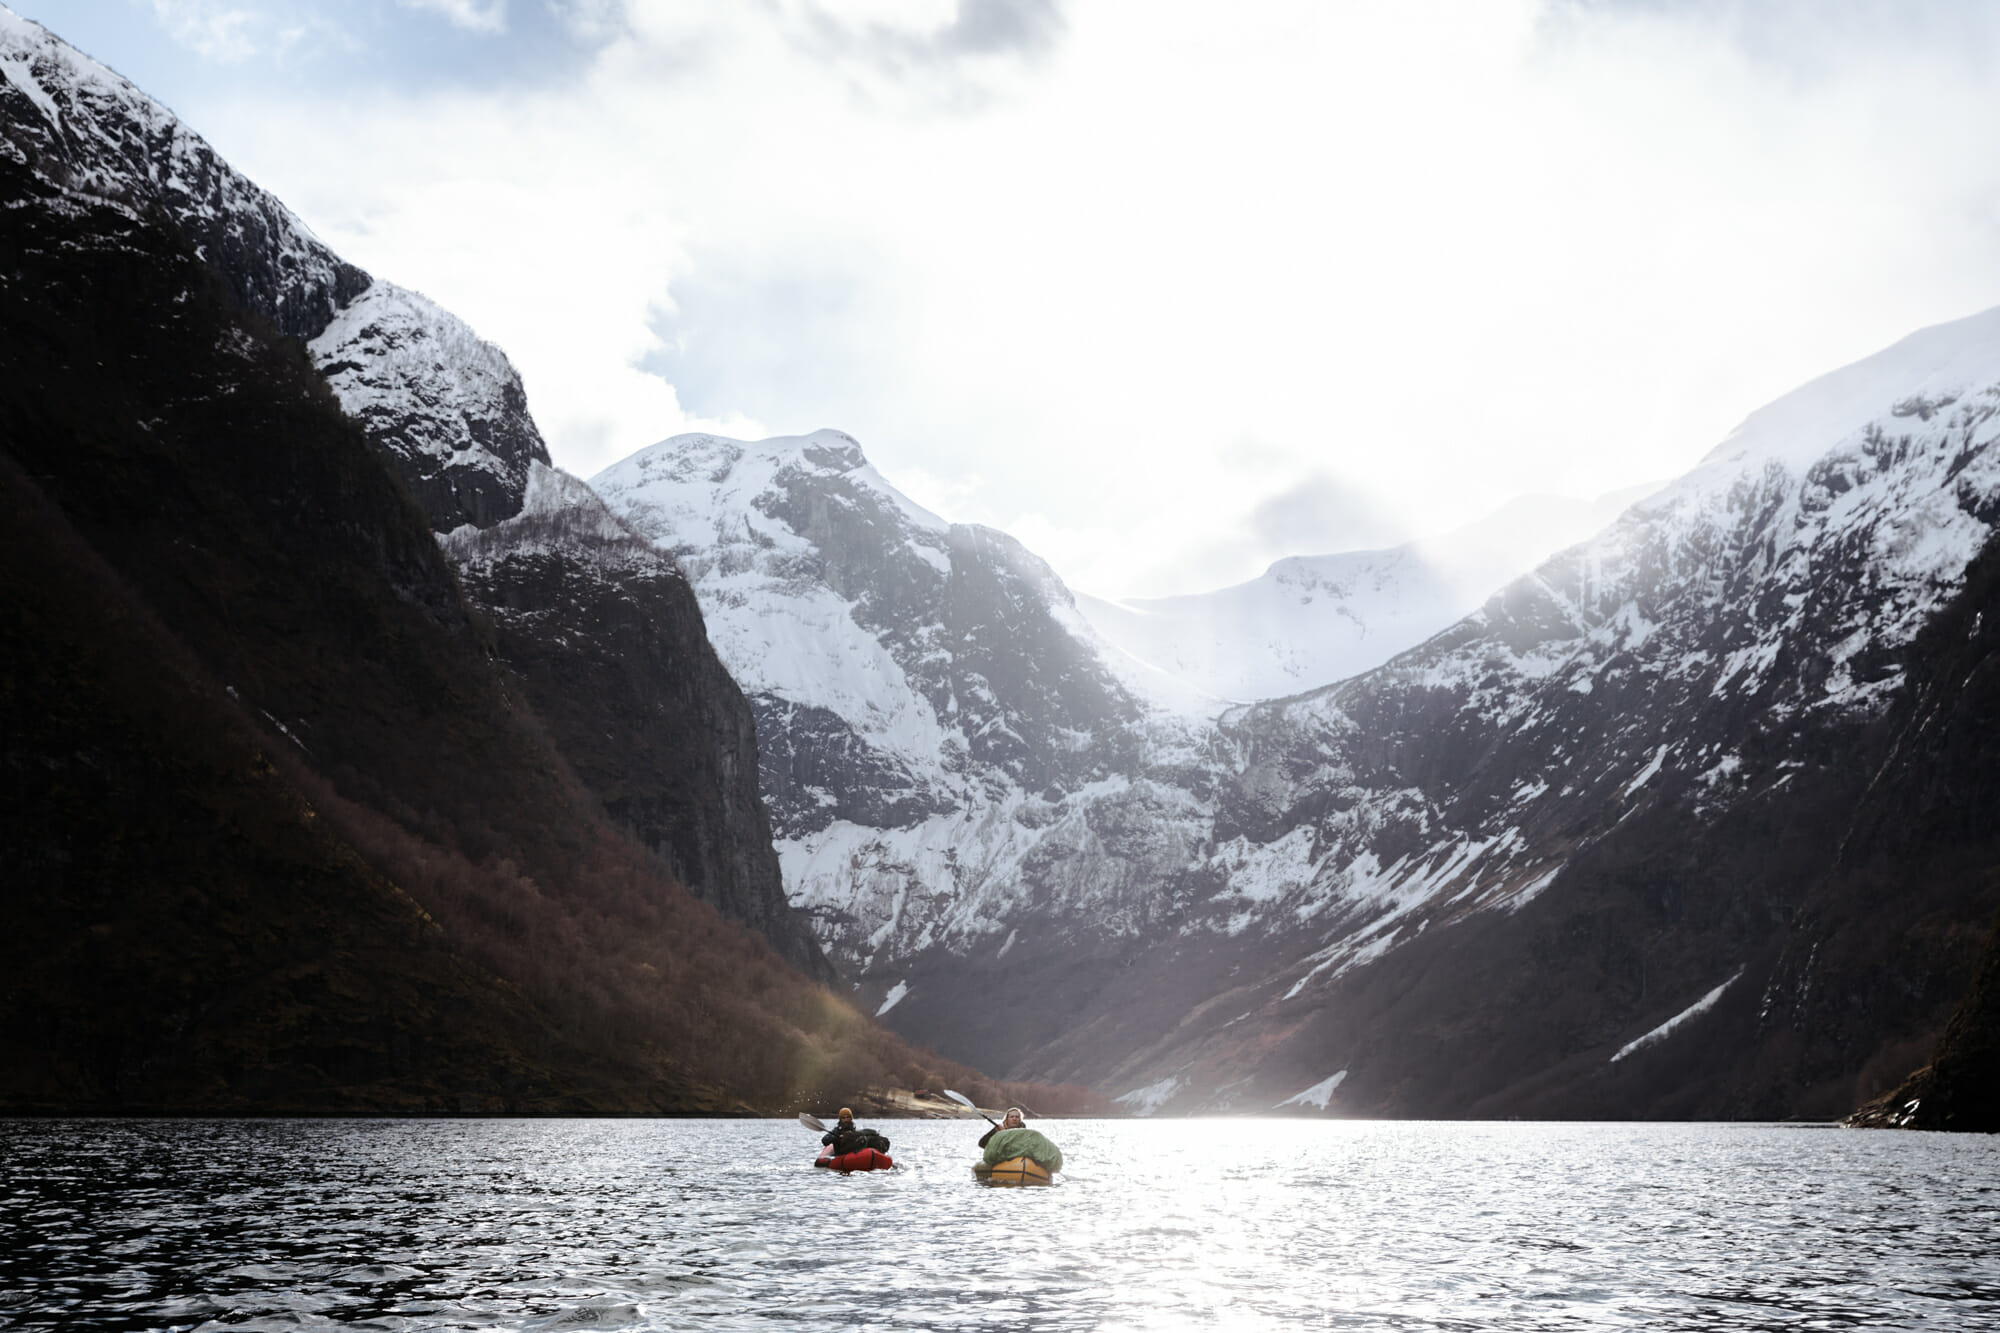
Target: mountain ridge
(1692, 665)
(1310, 620)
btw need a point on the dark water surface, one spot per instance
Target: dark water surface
(585, 1224)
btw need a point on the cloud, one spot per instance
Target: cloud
(896, 34)
(471, 15)
(1169, 293)
(212, 29)
(1004, 27)
(784, 341)
(591, 21)
(1319, 515)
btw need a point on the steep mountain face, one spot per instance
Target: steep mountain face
(604, 632)
(1960, 1088)
(183, 929)
(448, 413)
(1682, 823)
(937, 722)
(1930, 813)
(1607, 815)
(446, 408)
(77, 125)
(283, 835)
(1309, 621)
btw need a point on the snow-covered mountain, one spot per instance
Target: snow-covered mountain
(604, 633)
(1602, 846)
(1774, 584)
(444, 405)
(1182, 900)
(1311, 620)
(945, 742)
(84, 129)
(1733, 637)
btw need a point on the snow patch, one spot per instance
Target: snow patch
(893, 998)
(1318, 1095)
(1149, 1099)
(1649, 772)
(1666, 1029)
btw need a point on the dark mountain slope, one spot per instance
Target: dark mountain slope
(254, 742)
(1960, 1088)
(449, 415)
(182, 932)
(607, 640)
(1933, 803)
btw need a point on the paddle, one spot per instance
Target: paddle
(812, 1122)
(966, 1102)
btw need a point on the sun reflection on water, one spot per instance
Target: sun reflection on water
(1224, 1223)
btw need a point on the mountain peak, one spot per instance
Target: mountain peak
(87, 131)
(1930, 369)
(689, 472)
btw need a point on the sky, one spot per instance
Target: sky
(1165, 290)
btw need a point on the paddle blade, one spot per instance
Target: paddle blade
(812, 1122)
(961, 1099)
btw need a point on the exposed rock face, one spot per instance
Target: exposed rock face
(1673, 826)
(605, 632)
(1931, 810)
(1608, 815)
(1960, 1088)
(203, 564)
(84, 130)
(447, 409)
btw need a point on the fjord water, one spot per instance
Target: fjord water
(1243, 1223)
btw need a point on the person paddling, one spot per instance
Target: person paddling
(846, 1137)
(1012, 1138)
(1012, 1120)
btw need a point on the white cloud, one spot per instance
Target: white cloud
(1058, 273)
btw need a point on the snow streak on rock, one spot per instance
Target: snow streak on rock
(1666, 1029)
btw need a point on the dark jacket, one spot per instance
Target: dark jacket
(844, 1139)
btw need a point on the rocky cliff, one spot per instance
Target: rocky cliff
(1960, 1088)
(605, 635)
(444, 407)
